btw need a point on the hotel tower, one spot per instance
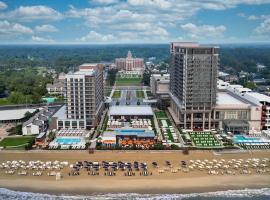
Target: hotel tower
(193, 86)
(84, 96)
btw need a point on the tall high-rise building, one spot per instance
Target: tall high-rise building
(129, 63)
(193, 85)
(84, 96)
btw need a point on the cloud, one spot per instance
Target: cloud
(263, 28)
(32, 13)
(3, 5)
(94, 37)
(104, 1)
(41, 39)
(142, 29)
(253, 17)
(9, 30)
(144, 16)
(163, 4)
(46, 28)
(242, 15)
(203, 31)
(249, 17)
(137, 20)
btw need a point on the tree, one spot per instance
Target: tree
(27, 115)
(16, 98)
(51, 136)
(2, 86)
(146, 78)
(174, 147)
(17, 130)
(159, 146)
(250, 85)
(112, 76)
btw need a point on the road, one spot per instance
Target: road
(132, 87)
(123, 99)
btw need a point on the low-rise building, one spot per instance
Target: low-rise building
(264, 102)
(259, 80)
(235, 114)
(160, 88)
(57, 88)
(14, 115)
(129, 63)
(260, 67)
(129, 126)
(259, 105)
(127, 138)
(230, 78)
(38, 123)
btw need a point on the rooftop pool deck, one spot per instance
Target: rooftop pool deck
(130, 130)
(133, 132)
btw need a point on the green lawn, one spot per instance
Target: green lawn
(161, 115)
(149, 94)
(204, 140)
(128, 81)
(170, 135)
(20, 141)
(4, 101)
(116, 94)
(140, 94)
(130, 76)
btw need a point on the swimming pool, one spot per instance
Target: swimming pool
(49, 99)
(135, 132)
(245, 139)
(68, 141)
(131, 131)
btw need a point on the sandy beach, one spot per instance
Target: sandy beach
(180, 182)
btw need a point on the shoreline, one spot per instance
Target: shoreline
(167, 183)
(82, 190)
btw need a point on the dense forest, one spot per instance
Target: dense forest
(233, 59)
(23, 86)
(63, 58)
(20, 65)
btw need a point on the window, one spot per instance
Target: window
(81, 124)
(74, 124)
(231, 115)
(67, 124)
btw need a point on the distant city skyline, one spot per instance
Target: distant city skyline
(133, 21)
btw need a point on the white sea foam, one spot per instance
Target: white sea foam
(263, 193)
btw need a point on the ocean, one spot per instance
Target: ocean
(246, 194)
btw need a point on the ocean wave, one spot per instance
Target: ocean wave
(260, 194)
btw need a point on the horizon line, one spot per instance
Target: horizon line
(103, 44)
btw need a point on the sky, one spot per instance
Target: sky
(133, 21)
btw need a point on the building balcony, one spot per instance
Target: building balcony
(197, 119)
